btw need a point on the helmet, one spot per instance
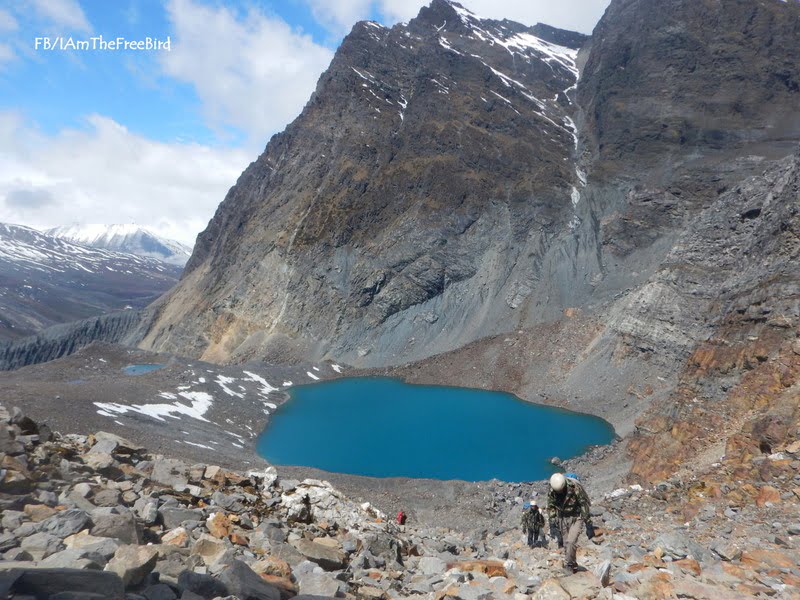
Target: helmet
(533, 503)
(558, 482)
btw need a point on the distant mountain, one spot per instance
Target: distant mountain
(128, 238)
(46, 280)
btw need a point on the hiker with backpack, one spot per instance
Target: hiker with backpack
(568, 512)
(532, 523)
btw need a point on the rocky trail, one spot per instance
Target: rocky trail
(99, 517)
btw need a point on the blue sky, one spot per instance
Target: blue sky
(158, 137)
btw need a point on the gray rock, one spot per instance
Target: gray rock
(603, 573)
(65, 523)
(429, 565)
(17, 554)
(117, 522)
(245, 584)
(319, 584)
(78, 501)
(133, 563)
(8, 541)
(106, 446)
(230, 502)
(175, 516)
(726, 550)
(793, 529)
(106, 497)
(123, 446)
(12, 519)
(46, 583)
(159, 591)
(41, 545)
(204, 586)
(150, 513)
(74, 558)
(171, 473)
(330, 559)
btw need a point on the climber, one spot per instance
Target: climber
(532, 522)
(568, 511)
(401, 518)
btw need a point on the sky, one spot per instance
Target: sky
(156, 136)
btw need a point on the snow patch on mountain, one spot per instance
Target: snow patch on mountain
(129, 238)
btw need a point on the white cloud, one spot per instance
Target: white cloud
(339, 15)
(63, 13)
(106, 174)
(6, 54)
(7, 21)
(251, 71)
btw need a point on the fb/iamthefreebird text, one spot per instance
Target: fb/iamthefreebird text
(61, 44)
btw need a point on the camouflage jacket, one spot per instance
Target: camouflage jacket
(532, 519)
(572, 503)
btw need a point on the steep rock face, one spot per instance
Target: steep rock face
(67, 338)
(435, 191)
(746, 371)
(392, 217)
(671, 82)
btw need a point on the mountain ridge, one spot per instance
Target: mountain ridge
(49, 280)
(128, 238)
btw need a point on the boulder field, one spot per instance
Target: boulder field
(98, 516)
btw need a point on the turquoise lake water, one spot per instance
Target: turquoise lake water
(385, 428)
(141, 369)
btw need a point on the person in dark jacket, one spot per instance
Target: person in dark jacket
(532, 523)
(568, 513)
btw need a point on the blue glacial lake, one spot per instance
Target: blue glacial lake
(141, 369)
(386, 428)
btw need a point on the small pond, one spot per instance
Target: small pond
(141, 369)
(386, 428)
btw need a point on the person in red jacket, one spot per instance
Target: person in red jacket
(401, 518)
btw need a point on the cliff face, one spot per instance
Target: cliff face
(406, 210)
(435, 191)
(671, 82)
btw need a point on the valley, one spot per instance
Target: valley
(606, 224)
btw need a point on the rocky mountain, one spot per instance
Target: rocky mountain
(605, 224)
(46, 280)
(129, 238)
(608, 224)
(457, 178)
(407, 211)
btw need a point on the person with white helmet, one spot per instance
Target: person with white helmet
(568, 512)
(532, 522)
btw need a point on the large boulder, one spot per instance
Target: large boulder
(116, 522)
(175, 516)
(65, 523)
(171, 473)
(330, 559)
(133, 563)
(245, 584)
(44, 583)
(318, 584)
(41, 545)
(319, 501)
(203, 585)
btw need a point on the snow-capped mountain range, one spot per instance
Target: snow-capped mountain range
(128, 238)
(46, 280)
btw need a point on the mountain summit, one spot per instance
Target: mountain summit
(127, 238)
(407, 210)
